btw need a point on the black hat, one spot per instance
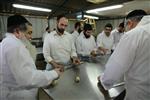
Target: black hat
(16, 20)
(135, 13)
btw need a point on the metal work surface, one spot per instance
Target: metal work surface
(86, 89)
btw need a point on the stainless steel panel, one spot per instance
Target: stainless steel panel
(86, 89)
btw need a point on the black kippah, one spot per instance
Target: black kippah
(16, 20)
(87, 27)
(136, 13)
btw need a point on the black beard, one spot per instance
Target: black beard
(79, 30)
(60, 30)
(107, 34)
(86, 36)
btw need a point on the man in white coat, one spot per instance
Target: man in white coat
(117, 34)
(59, 50)
(19, 78)
(27, 42)
(131, 58)
(59, 47)
(85, 43)
(105, 40)
(76, 31)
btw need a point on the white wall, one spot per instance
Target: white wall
(39, 25)
(101, 23)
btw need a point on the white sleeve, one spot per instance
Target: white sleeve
(99, 40)
(119, 62)
(24, 70)
(78, 45)
(46, 49)
(94, 43)
(73, 49)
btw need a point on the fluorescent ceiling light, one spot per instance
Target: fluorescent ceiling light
(104, 9)
(88, 16)
(31, 8)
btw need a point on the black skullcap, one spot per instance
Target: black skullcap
(87, 27)
(134, 13)
(16, 20)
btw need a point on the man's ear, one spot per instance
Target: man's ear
(17, 32)
(130, 23)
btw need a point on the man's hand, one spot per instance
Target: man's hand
(59, 72)
(101, 88)
(56, 65)
(103, 50)
(93, 53)
(75, 61)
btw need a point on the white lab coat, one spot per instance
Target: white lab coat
(131, 58)
(59, 48)
(117, 36)
(75, 34)
(84, 45)
(19, 76)
(105, 42)
(44, 35)
(31, 48)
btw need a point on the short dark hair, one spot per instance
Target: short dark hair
(121, 24)
(108, 25)
(60, 16)
(17, 21)
(136, 14)
(77, 24)
(87, 27)
(21, 27)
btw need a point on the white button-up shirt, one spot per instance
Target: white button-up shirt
(105, 41)
(132, 59)
(59, 48)
(75, 34)
(19, 77)
(85, 45)
(117, 36)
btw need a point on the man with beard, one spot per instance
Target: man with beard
(19, 78)
(85, 43)
(76, 31)
(59, 49)
(105, 40)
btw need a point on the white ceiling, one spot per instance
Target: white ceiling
(129, 6)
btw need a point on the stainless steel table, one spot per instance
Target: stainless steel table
(86, 89)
